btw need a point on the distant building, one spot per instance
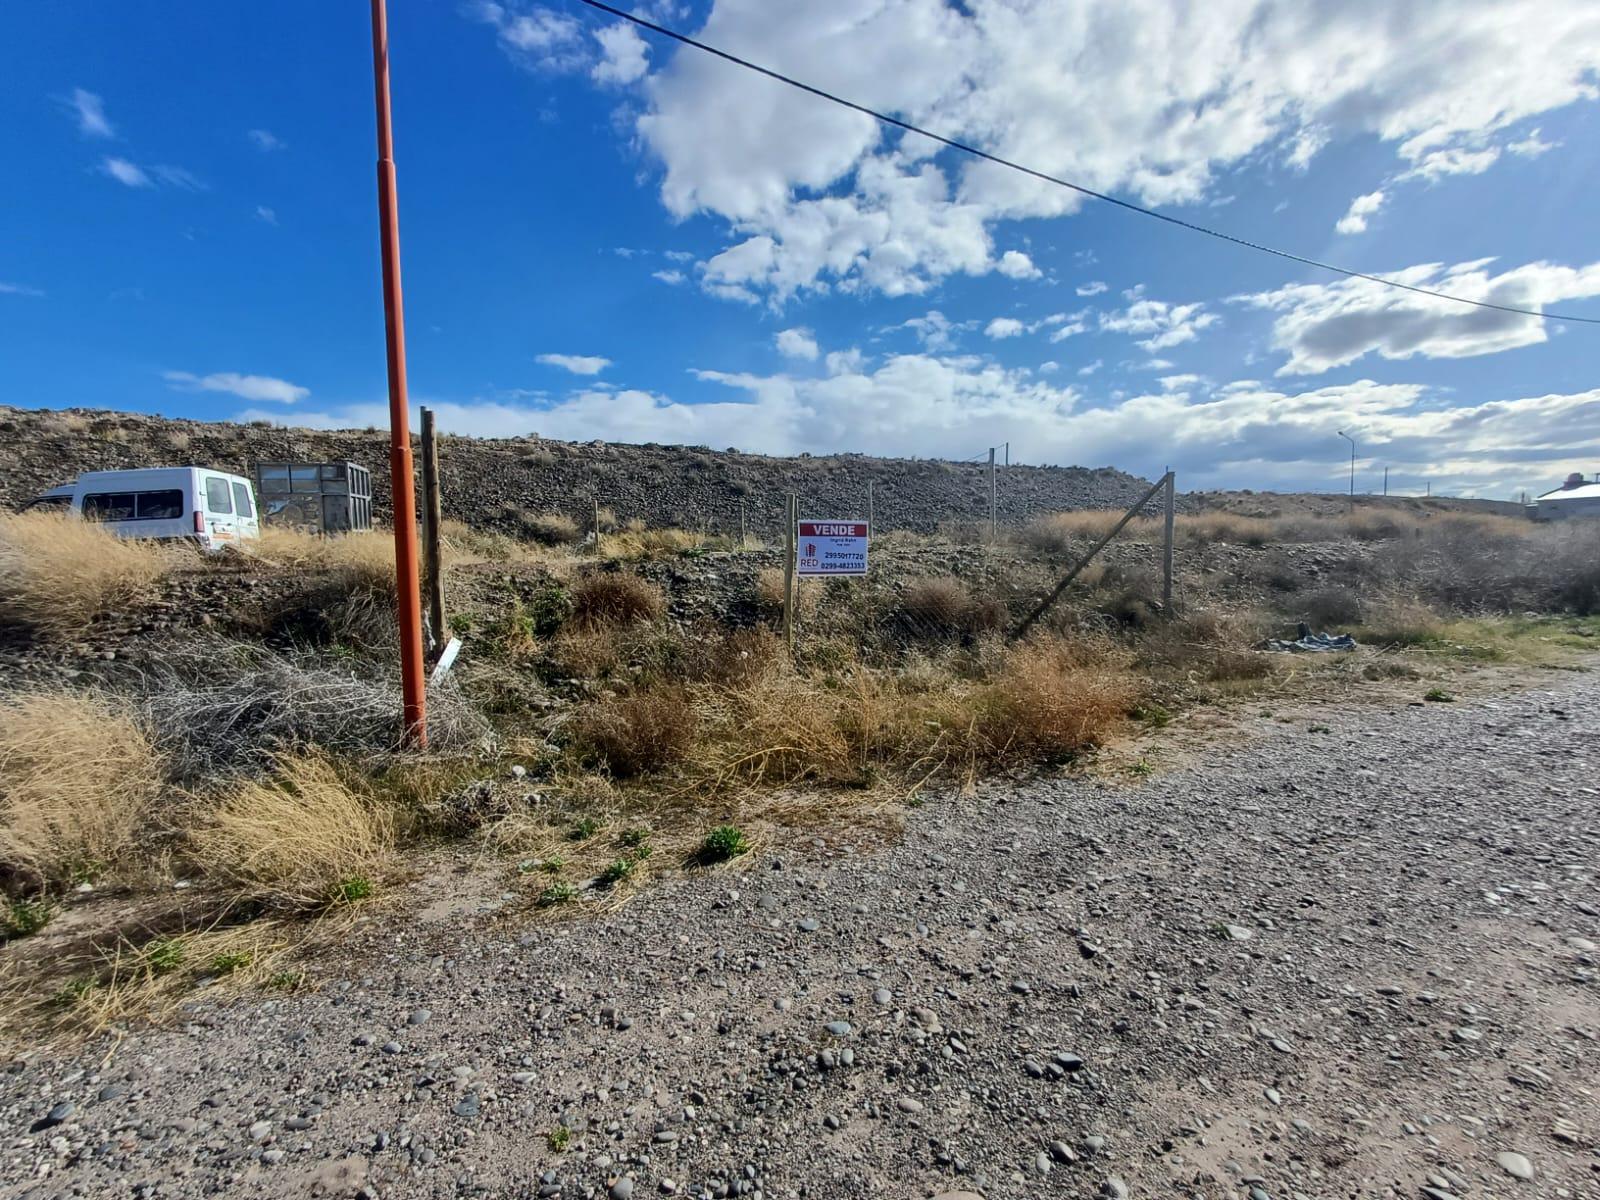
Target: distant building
(1574, 498)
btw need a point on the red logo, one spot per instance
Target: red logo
(811, 550)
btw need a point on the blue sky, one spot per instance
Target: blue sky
(608, 237)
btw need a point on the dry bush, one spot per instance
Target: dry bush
(1206, 644)
(1204, 528)
(1058, 533)
(732, 658)
(939, 602)
(58, 572)
(615, 598)
(77, 778)
(635, 541)
(462, 543)
(588, 651)
(1049, 704)
(216, 707)
(549, 529)
(637, 733)
(1377, 525)
(297, 837)
(769, 593)
(358, 560)
(1327, 607)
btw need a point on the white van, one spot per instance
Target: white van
(210, 507)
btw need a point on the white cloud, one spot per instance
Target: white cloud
(126, 172)
(1093, 288)
(578, 364)
(836, 201)
(1239, 435)
(263, 213)
(1166, 324)
(1362, 207)
(1453, 160)
(246, 387)
(935, 330)
(136, 176)
(1531, 146)
(1014, 264)
(1178, 383)
(672, 277)
(1003, 327)
(1325, 325)
(18, 289)
(91, 113)
(266, 141)
(797, 343)
(538, 39)
(623, 55)
(1090, 368)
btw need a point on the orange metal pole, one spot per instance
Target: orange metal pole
(407, 583)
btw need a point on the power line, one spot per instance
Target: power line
(965, 148)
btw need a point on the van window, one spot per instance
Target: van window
(241, 500)
(165, 505)
(217, 495)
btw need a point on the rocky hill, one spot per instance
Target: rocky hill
(490, 482)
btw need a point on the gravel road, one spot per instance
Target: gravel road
(1341, 964)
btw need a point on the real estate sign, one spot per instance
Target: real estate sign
(831, 548)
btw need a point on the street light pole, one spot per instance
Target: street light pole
(414, 726)
(1352, 442)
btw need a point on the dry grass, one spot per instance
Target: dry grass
(300, 839)
(769, 593)
(635, 541)
(939, 602)
(549, 529)
(637, 733)
(363, 560)
(615, 598)
(77, 779)
(58, 572)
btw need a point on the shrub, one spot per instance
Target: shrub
(1047, 705)
(300, 838)
(637, 733)
(24, 918)
(1226, 527)
(1058, 533)
(615, 598)
(549, 529)
(549, 608)
(937, 603)
(1331, 606)
(77, 778)
(723, 843)
(58, 572)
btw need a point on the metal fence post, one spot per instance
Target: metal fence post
(790, 519)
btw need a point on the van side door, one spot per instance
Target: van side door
(216, 497)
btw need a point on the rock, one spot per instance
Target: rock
(1113, 1188)
(260, 1131)
(622, 1189)
(809, 925)
(273, 1157)
(112, 1091)
(1094, 1143)
(467, 1106)
(1466, 1034)
(908, 1105)
(1067, 1062)
(55, 1116)
(1514, 1164)
(1062, 1152)
(1238, 933)
(882, 996)
(839, 1028)
(419, 1017)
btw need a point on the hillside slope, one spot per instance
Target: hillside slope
(487, 482)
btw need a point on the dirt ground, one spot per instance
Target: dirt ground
(1339, 952)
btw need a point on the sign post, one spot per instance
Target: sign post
(831, 548)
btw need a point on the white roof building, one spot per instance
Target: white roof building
(1574, 498)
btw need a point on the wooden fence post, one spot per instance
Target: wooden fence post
(432, 518)
(790, 518)
(1166, 546)
(597, 526)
